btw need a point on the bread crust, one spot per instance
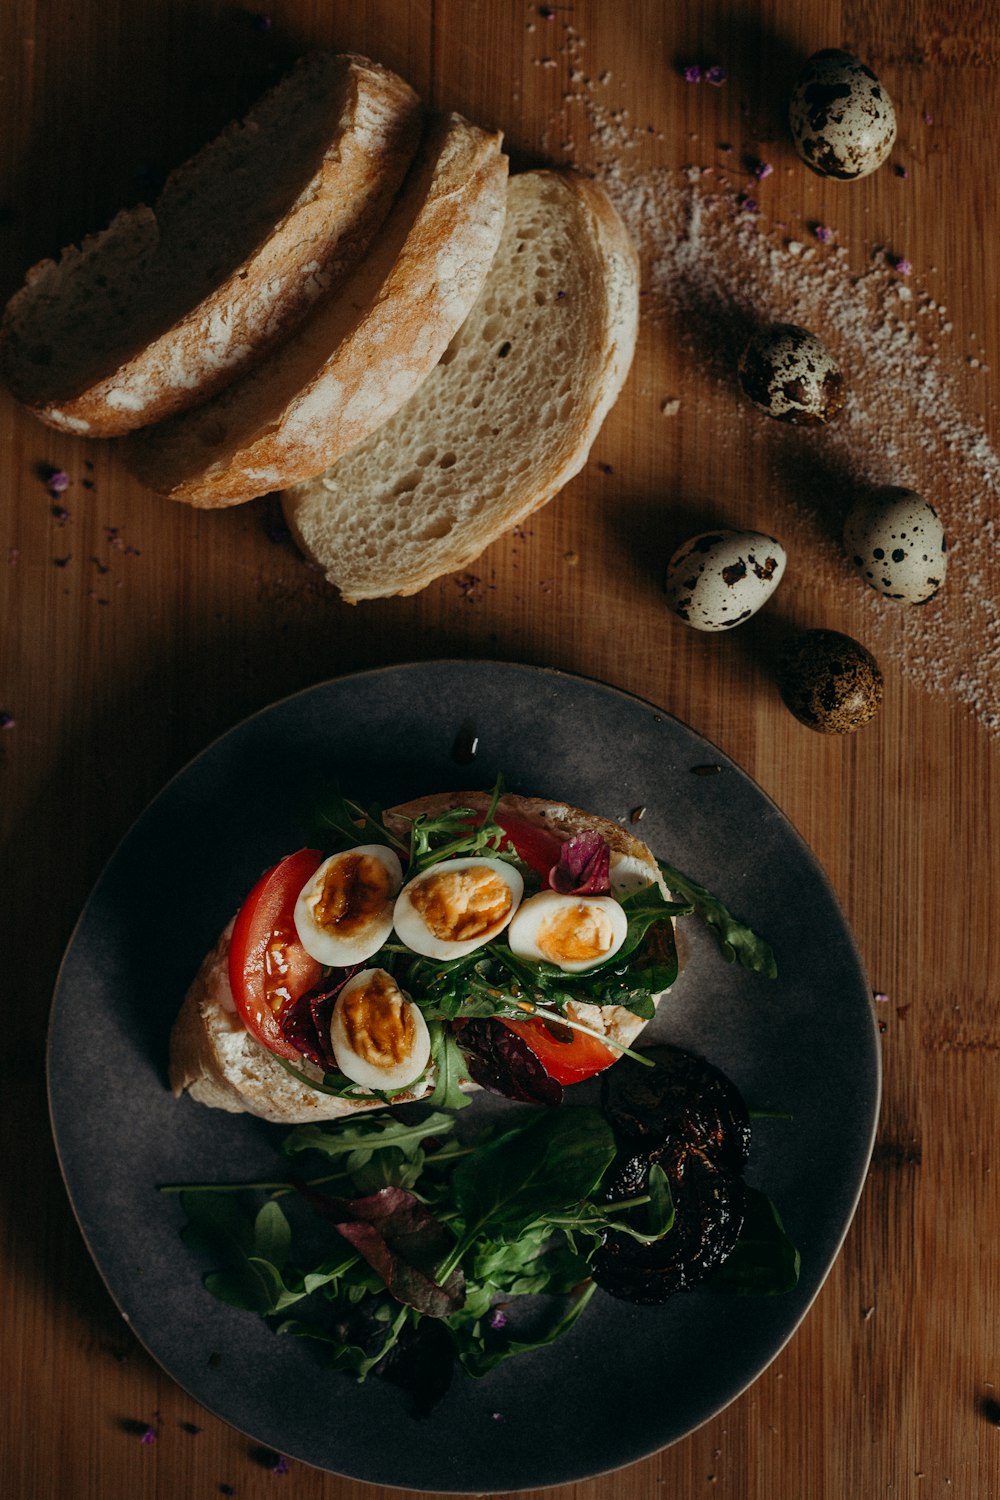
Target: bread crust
(174, 356)
(215, 1060)
(362, 353)
(389, 559)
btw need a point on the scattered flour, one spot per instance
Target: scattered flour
(714, 268)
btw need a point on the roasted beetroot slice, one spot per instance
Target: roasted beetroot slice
(683, 1100)
(501, 1062)
(306, 1022)
(709, 1206)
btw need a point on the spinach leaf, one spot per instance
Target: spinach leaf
(765, 1261)
(531, 1171)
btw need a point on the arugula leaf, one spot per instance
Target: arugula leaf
(252, 1251)
(347, 1356)
(738, 942)
(360, 1139)
(449, 1069)
(352, 824)
(458, 832)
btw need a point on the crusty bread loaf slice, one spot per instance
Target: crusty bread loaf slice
(217, 1062)
(362, 352)
(172, 302)
(215, 1059)
(507, 417)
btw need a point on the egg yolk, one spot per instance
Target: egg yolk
(459, 905)
(355, 889)
(378, 1021)
(575, 934)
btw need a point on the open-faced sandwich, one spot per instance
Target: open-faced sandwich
(459, 941)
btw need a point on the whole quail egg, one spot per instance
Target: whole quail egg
(829, 681)
(789, 373)
(897, 543)
(841, 118)
(718, 579)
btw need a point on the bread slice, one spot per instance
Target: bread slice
(507, 417)
(172, 302)
(362, 353)
(217, 1062)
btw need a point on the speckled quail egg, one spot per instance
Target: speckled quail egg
(897, 543)
(572, 932)
(789, 373)
(829, 681)
(718, 579)
(457, 905)
(841, 118)
(344, 912)
(378, 1035)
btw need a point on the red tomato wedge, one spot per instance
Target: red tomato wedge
(579, 1056)
(268, 966)
(569, 1061)
(538, 847)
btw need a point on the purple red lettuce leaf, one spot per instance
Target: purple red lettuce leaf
(401, 1240)
(305, 1023)
(584, 867)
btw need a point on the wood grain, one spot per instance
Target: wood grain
(133, 632)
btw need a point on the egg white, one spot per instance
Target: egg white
(413, 929)
(329, 944)
(532, 915)
(354, 1035)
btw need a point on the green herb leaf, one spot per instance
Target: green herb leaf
(344, 824)
(242, 1247)
(551, 1162)
(450, 1069)
(765, 1261)
(738, 942)
(361, 1139)
(478, 1360)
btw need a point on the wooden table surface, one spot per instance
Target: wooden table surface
(135, 631)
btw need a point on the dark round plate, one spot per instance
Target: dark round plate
(625, 1381)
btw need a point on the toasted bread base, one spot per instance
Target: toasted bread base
(215, 1060)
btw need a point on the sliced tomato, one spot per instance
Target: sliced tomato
(567, 1061)
(538, 847)
(268, 966)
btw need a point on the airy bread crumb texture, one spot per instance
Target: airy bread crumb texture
(505, 419)
(364, 350)
(171, 302)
